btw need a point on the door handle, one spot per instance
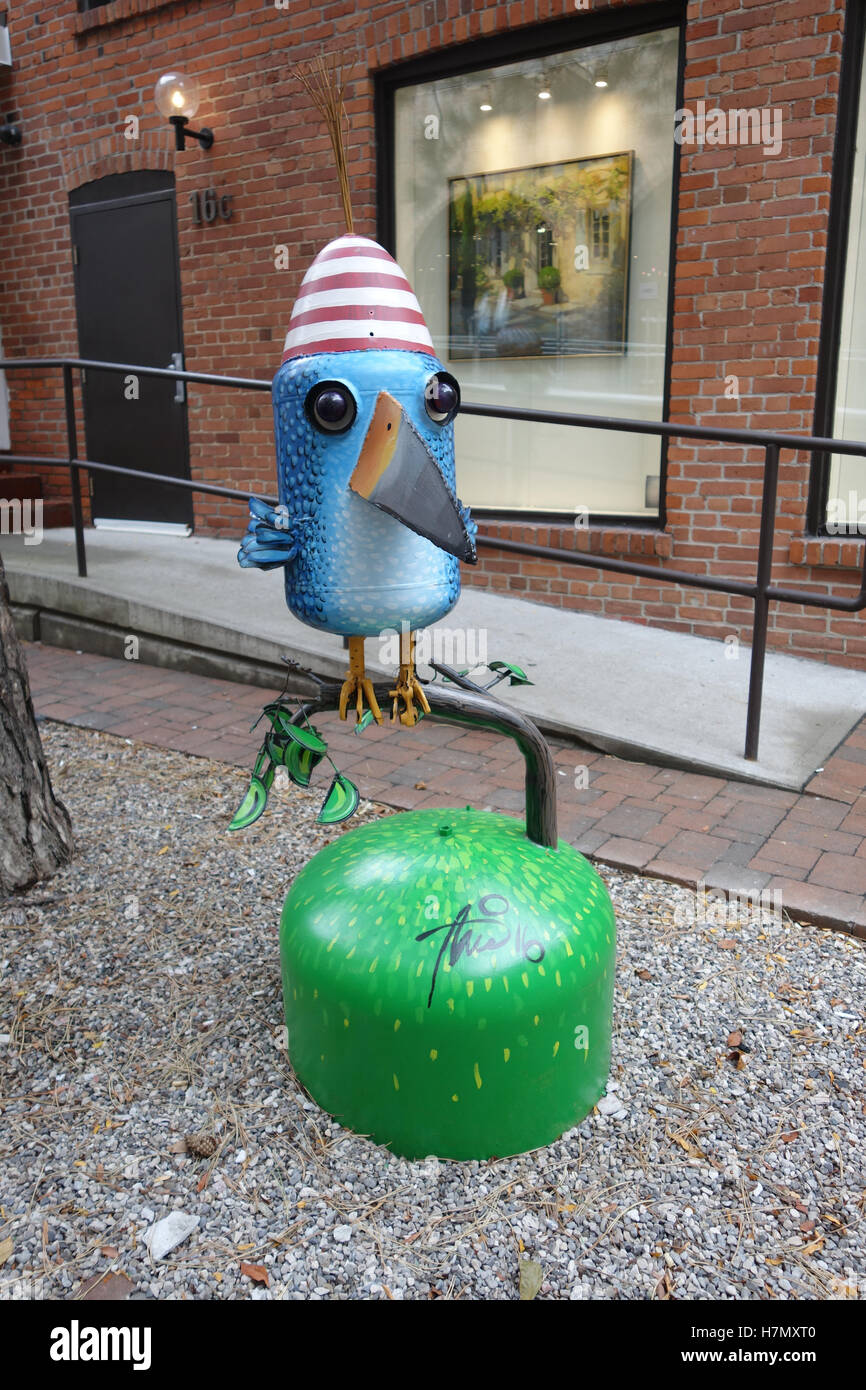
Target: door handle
(176, 364)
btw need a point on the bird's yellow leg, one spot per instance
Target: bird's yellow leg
(408, 688)
(357, 684)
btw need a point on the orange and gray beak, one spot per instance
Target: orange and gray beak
(399, 475)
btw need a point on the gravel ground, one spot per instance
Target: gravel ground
(140, 1003)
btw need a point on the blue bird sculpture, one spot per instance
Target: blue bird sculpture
(368, 528)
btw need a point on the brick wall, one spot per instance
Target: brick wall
(751, 251)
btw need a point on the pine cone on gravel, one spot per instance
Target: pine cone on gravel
(200, 1145)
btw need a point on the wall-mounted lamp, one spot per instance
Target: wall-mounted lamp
(10, 133)
(601, 82)
(177, 97)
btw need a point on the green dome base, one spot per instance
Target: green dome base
(448, 984)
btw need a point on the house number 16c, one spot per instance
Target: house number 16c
(208, 206)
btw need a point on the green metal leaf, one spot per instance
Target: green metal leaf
(254, 802)
(341, 801)
(277, 748)
(300, 763)
(516, 675)
(281, 720)
(365, 721)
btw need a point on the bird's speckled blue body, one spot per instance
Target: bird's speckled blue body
(357, 569)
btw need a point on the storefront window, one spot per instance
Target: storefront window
(533, 217)
(846, 500)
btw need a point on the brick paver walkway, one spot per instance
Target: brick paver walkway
(809, 850)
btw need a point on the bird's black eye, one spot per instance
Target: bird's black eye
(442, 398)
(331, 407)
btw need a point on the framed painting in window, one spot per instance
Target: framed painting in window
(539, 260)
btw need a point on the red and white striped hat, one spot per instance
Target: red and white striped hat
(355, 296)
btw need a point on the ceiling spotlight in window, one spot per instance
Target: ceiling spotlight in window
(601, 82)
(544, 95)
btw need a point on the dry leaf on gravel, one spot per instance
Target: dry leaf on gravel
(106, 1288)
(530, 1279)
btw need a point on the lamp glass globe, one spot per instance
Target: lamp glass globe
(177, 94)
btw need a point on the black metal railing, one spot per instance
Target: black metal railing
(761, 591)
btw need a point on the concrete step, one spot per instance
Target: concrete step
(636, 691)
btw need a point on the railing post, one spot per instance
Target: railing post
(762, 603)
(74, 473)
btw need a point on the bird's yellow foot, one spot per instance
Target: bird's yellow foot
(357, 686)
(408, 693)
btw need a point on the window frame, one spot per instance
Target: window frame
(498, 50)
(838, 231)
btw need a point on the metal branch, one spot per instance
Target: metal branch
(478, 710)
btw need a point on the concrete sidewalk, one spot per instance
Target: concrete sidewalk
(807, 853)
(635, 691)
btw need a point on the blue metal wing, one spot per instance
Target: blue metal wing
(272, 537)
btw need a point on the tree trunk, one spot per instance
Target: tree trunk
(35, 832)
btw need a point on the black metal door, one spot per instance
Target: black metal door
(127, 290)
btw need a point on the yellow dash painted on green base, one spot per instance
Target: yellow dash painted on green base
(315, 994)
(488, 983)
(541, 969)
(555, 1048)
(536, 1020)
(333, 941)
(583, 962)
(525, 978)
(455, 1097)
(451, 1005)
(349, 954)
(396, 1024)
(568, 950)
(470, 988)
(433, 1054)
(477, 1074)
(505, 982)
(558, 978)
(345, 1023)
(397, 961)
(420, 968)
(506, 1053)
(396, 1083)
(373, 963)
